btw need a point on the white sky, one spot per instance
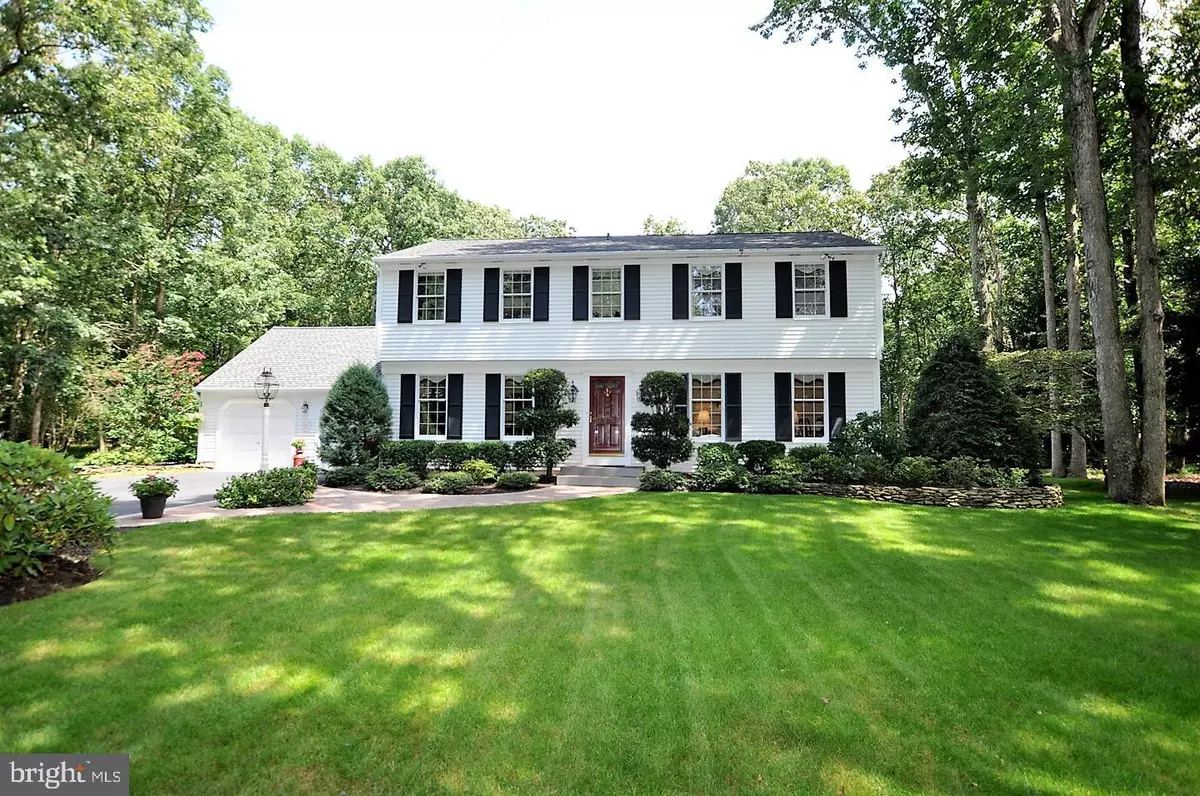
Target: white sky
(600, 113)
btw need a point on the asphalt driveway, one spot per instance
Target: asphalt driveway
(195, 486)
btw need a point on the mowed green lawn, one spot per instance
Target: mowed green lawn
(634, 644)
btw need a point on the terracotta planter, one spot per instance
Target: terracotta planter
(153, 506)
(298, 460)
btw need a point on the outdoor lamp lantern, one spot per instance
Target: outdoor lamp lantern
(574, 392)
(266, 387)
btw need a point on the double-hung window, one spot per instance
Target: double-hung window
(809, 289)
(516, 400)
(708, 294)
(431, 407)
(606, 292)
(705, 390)
(517, 295)
(431, 296)
(808, 406)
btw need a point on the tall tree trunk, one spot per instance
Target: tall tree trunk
(35, 419)
(1077, 468)
(1152, 467)
(983, 307)
(160, 299)
(1073, 41)
(1057, 468)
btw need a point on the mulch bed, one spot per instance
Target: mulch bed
(482, 489)
(60, 574)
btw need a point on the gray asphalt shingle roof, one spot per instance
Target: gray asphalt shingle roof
(301, 357)
(632, 243)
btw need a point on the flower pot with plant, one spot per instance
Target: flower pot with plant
(297, 452)
(153, 491)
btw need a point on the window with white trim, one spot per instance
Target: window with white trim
(809, 288)
(516, 400)
(431, 407)
(705, 391)
(431, 296)
(808, 406)
(708, 292)
(606, 292)
(517, 295)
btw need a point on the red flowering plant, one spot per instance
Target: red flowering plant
(153, 486)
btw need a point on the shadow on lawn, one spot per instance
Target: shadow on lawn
(657, 643)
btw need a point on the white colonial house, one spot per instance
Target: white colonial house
(780, 336)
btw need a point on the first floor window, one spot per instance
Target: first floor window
(706, 405)
(431, 409)
(431, 297)
(707, 292)
(808, 406)
(516, 399)
(810, 289)
(606, 292)
(517, 295)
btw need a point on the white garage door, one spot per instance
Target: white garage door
(239, 436)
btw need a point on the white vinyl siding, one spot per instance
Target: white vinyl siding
(757, 335)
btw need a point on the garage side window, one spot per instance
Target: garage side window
(431, 409)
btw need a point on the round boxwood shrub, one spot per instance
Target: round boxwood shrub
(46, 509)
(415, 454)
(350, 475)
(716, 453)
(662, 481)
(803, 454)
(392, 479)
(829, 469)
(448, 483)
(962, 407)
(873, 468)
(452, 455)
(797, 471)
(494, 453)
(516, 481)
(961, 471)
(483, 472)
(869, 433)
(915, 471)
(283, 486)
(757, 454)
(772, 484)
(720, 478)
(525, 454)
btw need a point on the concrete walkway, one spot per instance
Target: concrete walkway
(332, 500)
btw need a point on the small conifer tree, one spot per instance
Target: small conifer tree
(356, 420)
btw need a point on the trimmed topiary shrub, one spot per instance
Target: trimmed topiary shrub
(757, 454)
(483, 472)
(46, 509)
(915, 471)
(356, 420)
(772, 484)
(448, 483)
(869, 433)
(961, 471)
(962, 407)
(392, 479)
(283, 486)
(496, 454)
(551, 390)
(351, 475)
(662, 481)
(414, 454)
(662, 436)
(716, 453)
(803, 454)
(517, 481)
(452, 455)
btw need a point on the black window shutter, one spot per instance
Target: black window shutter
(492, 400)
(783, 290)
(579, 293)
(837, 399)
(408, 405)
(733, 290)
(633, 292)
(541, 293)
(733, 407)
(404, 298)
(453, 295)
(837, 288)
(679, 291)
(783, 407)
(491, 294)
(454, 406)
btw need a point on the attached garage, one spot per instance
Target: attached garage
(306, 361)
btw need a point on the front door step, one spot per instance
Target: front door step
(599, 475)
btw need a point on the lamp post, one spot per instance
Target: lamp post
(266, 386)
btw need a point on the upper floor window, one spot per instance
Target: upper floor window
(431, 296)
(707, 291)
(516, 400)
(809, 288)
(808, 406)
(517, 295)
(431, 409)
(706, 405)
(606, 292)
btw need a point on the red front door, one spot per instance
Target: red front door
(607, 424)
